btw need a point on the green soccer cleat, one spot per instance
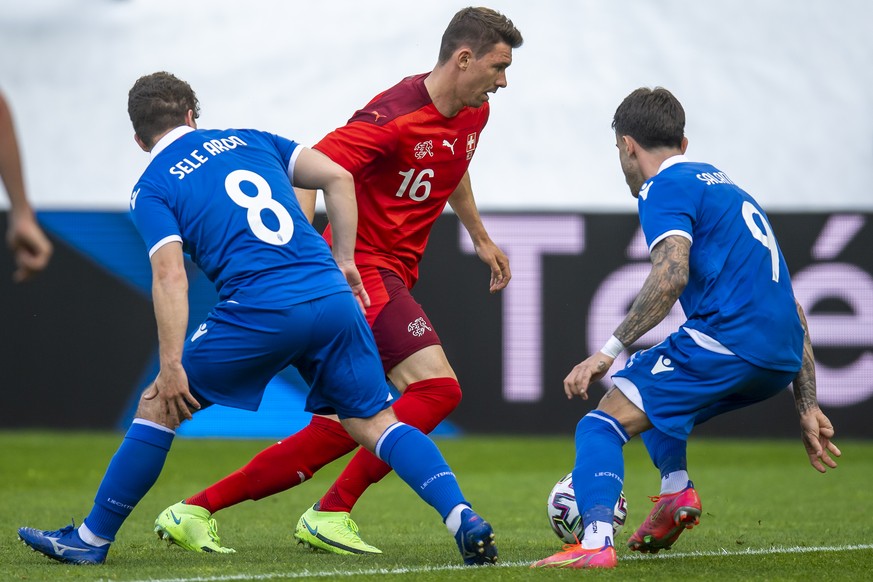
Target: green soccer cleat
(332, 531)
(190, 527)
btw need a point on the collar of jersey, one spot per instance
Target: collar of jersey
(671, 161)
(172, 136)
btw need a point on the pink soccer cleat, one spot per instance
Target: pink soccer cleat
(575, 556)
(673, 513)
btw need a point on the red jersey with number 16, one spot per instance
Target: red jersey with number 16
(407, 159)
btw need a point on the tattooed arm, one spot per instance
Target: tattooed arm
(816, 429)
(659, 293)
(662, 288)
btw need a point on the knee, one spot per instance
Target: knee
(598, 421)
(452, 394)
(443, 394)
(367, 431)
(152, 410)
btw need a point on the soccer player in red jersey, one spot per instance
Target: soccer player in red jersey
(408, 149)
(31, 249)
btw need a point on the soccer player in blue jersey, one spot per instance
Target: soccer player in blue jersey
(745, 339)
(226, 198)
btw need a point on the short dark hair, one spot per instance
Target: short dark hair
(653, 117)
(159, 102)
(481, 29)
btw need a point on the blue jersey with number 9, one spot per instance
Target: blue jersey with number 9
(227, 197)
(739, 290)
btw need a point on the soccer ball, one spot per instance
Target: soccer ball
(564, 514)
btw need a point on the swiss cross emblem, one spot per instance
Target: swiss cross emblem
(471, 144)
(424, 148)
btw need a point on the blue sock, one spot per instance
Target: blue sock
(131, 473)
(598, 476)
(417, 460)
(667, 453)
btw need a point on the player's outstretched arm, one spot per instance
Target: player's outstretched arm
(30, 247)
(464, 205)
(816, 429)
(660, 291)
(170, 296)
(662, 288)
(314, 170)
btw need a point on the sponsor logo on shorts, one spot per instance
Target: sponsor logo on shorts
(662, 365)
(200, 331)
(418, 327)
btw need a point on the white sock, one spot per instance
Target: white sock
(597, 535)
(90, 538)
(453, 521)
(674, 482)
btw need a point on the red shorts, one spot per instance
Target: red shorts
(399, 324)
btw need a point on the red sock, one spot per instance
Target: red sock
(423, 405)
(279, 467)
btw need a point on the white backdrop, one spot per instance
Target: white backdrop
(778, 92)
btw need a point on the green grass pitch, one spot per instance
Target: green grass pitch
(767, 515)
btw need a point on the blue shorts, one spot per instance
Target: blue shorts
(232, 356)
(679, 384)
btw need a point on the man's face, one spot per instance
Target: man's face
(629, 166)
(484, 75)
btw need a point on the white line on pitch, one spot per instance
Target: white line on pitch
(449, 568)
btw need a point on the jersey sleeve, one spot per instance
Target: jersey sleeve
(156, 223)
(666, 209)
(358, 144)
(288, 150)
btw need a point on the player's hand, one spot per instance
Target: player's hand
(30, 247)
(584, 373)
(491, 255)
(171, 390)
(353, 277)
(816, 432)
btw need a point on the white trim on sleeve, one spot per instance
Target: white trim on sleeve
(163, 241)
(670, 233)
(293, 161)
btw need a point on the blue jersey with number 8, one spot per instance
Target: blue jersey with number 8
(227, 197)
(739, 290)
